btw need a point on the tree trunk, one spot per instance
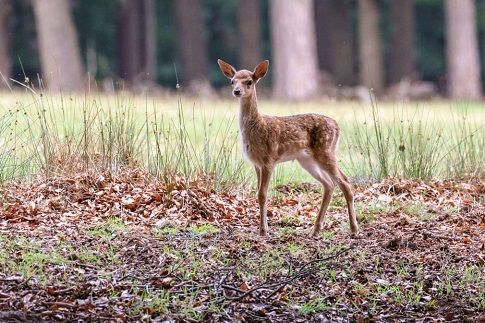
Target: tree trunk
(149, 41)
(323, 13)
(294, 49)
(137, 41)
(60, 56)
(335, 39)
(370, 63)
(129, 42)
(5, 62)
(462, 50)
(191, 43)
(249, 18)
(402, 58)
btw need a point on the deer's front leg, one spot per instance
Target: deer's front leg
(264, 177)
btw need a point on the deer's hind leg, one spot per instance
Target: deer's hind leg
(313, 167)
(258, 175)
(331, 167)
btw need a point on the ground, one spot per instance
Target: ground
(127, 248)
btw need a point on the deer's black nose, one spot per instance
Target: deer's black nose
(237, 92)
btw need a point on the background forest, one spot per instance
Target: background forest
(375, 43)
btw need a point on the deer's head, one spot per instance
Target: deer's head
(243, 81)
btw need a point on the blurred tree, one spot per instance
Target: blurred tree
(402, 58)
(370, 52)
(335, 39)
(59, 49)
(323, 32)
(250, 37)
(149, 61)
(191, 41)
(97, 27)
(463, 65)
(295, 68)
(129, 40)
(137, 41)
(5, 62)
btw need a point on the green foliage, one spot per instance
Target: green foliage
(430, 39)
(166, 38)
(97, 30)
(24, 57)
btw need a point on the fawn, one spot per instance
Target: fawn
(311, 139)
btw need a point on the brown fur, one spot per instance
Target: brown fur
(311, 139)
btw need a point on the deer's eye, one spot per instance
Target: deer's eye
(249, 83)
(232, 82)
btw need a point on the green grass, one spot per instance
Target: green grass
(19, 255)
(418, 210)
(165, 231)
(289, 220)
(203, 229)
(108, 229)
(194, 137)
(313, 306)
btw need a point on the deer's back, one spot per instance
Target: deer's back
(278, 139)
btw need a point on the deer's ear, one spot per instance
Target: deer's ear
(261, 69)
(226, 69)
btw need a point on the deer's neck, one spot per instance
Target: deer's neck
(248, 115)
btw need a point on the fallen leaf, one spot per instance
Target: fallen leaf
(291, 202)
(244, 286)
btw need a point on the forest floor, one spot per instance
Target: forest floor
(125, 248)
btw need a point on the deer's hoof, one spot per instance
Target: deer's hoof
(354, 234)
(354, 230)
(316, 230)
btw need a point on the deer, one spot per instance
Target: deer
(310, 139)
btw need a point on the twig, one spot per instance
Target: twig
(324, 259)
(283, 284)
(304, 266)
(130, 276)
(233, 288)
(80, 264)
(61, 304)
(21, 285)
(300, 273)
(63, 291)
